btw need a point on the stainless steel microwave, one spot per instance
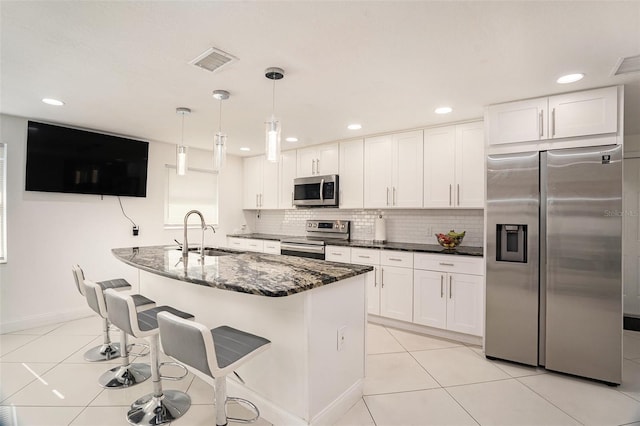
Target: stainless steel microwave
(316, 191)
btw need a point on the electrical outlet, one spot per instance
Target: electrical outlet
(342, 331)
(136, 229)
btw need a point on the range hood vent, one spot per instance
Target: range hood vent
(627, 65)
(213, 59)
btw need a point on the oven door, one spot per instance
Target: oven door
(316, 191)
(313, 251)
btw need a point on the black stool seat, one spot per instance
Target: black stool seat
(232, 344)
(118, 283)
(148, 320)
(140, 300)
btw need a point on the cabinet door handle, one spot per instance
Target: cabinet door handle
(260, 199)
(450, 287)
(394, 195)
(318, 165)
(540, 132)
(387, 195)
(382, 277)
(257, 205)
(395, 259)
(364, 257)
(458, 193)
(441, 286)
(553, 122)
(449, 194)
(446, 264)
(336, 254)
(291, 199)
(375, 276)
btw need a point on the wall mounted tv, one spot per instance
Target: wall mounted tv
(61, 159)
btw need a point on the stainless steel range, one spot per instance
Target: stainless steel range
(319, 233)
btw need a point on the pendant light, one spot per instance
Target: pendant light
(181, 151)
(272, 136)
(220, 139)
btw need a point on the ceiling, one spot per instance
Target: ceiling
(123, 67)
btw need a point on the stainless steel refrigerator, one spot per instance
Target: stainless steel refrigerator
(554, 260)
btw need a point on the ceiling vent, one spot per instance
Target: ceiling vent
(212, 59)
(627, 65)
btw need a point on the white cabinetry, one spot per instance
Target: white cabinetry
(454, 166)
(338, 254)
(253, 244)
(260, 183)
(393, 170)
(288, 164)
(396, 285)
(590, 112)
(352, 174)
(371, 257)
(318, 160)
(448, 292)
(271, 247)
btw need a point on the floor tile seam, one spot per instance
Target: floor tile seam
(21, 346)
(442, 349)
(32, 380)
(425, 369)
(387, 353)
(546, 399)
(394, 337)
(373, 419)
(401, 391)
(461, 406)
(478, 383)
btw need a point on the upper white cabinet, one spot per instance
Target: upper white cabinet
(288, 165)
(454, 166)
(318, 160)
(260, 183)
(590, 112)
(393, 168)
(352, 174)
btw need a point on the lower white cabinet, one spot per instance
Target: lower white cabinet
(338, 254)
(446, 299)
(246, 244)
(271, 247)
(370, 257)
(396, 292)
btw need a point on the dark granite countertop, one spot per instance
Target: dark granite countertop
(254, 273)
(414, 247)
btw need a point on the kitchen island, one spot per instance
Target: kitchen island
(314, 313)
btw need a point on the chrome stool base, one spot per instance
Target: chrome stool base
(125, 376)
(103, 352)
(153, 410)
(249, 405)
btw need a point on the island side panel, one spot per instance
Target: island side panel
(336, 373)
(279, 374)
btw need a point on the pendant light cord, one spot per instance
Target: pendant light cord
(273, 106)
(220, 127)
(182, 139)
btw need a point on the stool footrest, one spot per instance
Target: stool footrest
(144, 351)
(177, 364)
(248, 404)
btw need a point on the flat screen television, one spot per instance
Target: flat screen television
(62, 159)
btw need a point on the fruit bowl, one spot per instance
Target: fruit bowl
(450, 240)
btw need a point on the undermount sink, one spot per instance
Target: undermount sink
(213, 251)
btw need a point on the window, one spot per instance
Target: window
(196, 190)
(3, 203)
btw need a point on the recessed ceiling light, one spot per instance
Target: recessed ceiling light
(291, 139)
(50, 101)
(354, 126)
(570, 78)
(244, 148)
(443, 110)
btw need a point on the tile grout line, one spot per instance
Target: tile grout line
(550, 402)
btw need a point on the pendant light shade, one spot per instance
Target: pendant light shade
(220, 139)
(181, 150)
(272, 128)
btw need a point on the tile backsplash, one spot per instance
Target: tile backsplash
(409, 226)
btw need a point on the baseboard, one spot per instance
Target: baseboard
(423, 329)
(339, 407)
(44, 319)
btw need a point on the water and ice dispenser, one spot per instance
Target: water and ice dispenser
(511, 243)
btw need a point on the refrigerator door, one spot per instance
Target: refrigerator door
(512, 280)
(583, 257)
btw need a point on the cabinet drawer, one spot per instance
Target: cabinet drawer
(236, 243)
(365, 256)
(272, 247)
(338, 254)
(402, 259)
(450, 263)
(254, 245)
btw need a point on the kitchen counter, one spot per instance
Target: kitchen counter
(254, 273)
(422, 248)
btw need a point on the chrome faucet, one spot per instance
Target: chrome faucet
(185, 245)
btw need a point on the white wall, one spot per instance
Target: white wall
(48, 232)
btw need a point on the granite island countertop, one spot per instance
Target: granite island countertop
(414, 247)
(254, 273)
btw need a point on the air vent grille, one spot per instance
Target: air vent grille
(627, 65)
(213, 59)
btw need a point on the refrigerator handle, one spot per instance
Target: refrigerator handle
(553, 122)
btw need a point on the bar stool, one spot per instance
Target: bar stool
(160, 406)
(107, 350)
(127, 374)
(215, 352)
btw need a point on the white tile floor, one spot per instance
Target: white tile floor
(411, 380)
